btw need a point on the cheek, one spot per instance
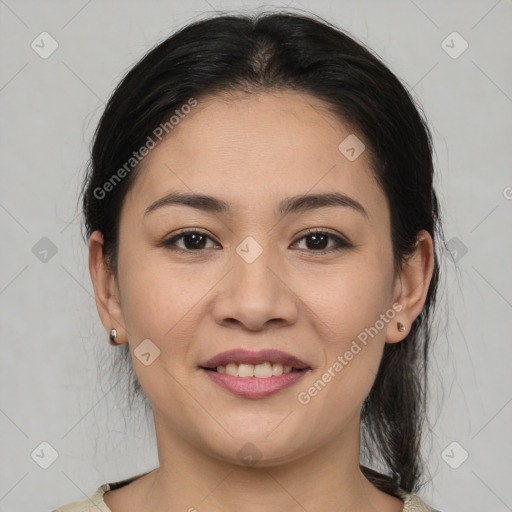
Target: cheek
(155, 295)
(352, 351)
(349, 305)
(348, 298)
(163, 304)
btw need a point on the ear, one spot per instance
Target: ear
(411, 286)
(106, 291)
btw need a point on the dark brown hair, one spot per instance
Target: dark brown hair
(287, 51)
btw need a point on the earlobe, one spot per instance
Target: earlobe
(414, 281)
(106, 292)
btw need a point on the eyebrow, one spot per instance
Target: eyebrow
(287, 206)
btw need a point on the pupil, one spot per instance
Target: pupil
(316, 237)
(195, 237)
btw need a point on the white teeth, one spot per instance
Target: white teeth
(246, 370)
(262, 370)
(232, 369)
(277, 369)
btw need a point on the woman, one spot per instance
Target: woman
(262, 229)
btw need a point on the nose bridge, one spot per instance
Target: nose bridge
(254, 276)
(254, 293)
(253, 280)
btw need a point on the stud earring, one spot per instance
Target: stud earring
(113, 337)
(400, 326)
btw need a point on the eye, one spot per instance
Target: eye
(194, 241)
(319, 239)
(316, 241)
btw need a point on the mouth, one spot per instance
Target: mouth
(262, 364)
(254, 374)
(261, 370)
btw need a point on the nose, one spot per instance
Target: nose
(256, 295)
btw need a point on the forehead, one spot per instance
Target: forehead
(251, 150)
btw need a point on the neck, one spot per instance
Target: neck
(189, 478)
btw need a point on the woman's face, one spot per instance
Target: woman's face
(255, 279)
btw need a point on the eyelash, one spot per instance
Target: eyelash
(342, 244)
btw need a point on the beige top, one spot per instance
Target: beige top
(95, 502)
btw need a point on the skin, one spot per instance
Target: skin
(252, 151)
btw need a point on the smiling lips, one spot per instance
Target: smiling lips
(254, 374)
(247, 357)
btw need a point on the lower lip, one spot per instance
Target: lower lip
(254, 387)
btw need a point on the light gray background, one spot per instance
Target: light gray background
(52, 343)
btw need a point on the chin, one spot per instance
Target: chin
(257, 451)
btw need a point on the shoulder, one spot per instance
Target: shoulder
(413, 503)
(94, 503)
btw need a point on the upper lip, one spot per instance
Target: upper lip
(248, 357)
